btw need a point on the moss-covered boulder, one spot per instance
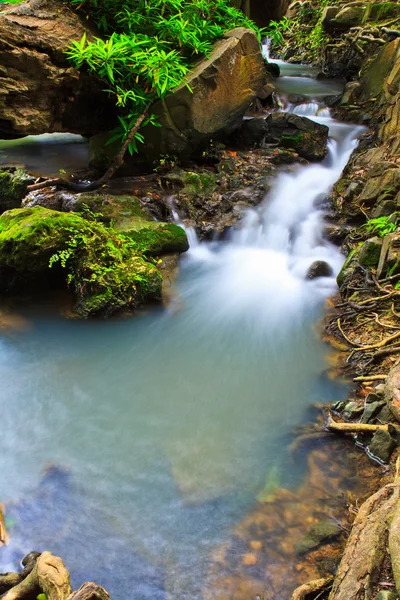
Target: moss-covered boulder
(13, 187)
(105, 271)
(155, 239)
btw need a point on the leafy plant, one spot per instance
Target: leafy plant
(149, 47)
(276, 29)
(381, 226)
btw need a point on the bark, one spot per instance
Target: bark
(90, 591)
(311, 587)
(365, 550)
(48, 575)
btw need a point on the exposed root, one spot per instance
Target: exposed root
(318, 585)
(336, 427)
(371, 377)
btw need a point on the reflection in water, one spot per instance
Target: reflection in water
(169, 424)
(46, 154)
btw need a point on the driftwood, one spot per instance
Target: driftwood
(335, 427)
(90, 591)
(365, 550)
(48, 575)
(9, 580)
(318, 585)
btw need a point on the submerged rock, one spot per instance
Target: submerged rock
(106, 271)
(322, 532)
(13, 187)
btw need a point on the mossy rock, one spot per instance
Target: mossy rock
(349, 266)
(13, 187)
(154, 238)
(370, 252)
(105, 271)
(320, 533)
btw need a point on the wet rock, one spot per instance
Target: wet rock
(303, 135)
(382, 73)
(371, 411)
(319, 268)
(266, 91)
(384, 415)
(377, 186)
(352, 411)
(373, 397)
(322, 532)
(13, 187)
(382, 445)
(336, 233)
(380, 389)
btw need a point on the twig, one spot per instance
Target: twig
(335, 427)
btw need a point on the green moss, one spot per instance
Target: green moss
(105, 270)
(112, 208)
(201, 183)
(370, 252)
(13, 187)
(153, 238)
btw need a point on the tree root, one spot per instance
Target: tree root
(9, 580)
(370, 378)
(318, 585)
(48, 575)
(90, 591)
(363, 557)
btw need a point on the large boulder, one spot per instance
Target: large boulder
(13, 187)
(105, 271)
(211, 102)
(39, 90)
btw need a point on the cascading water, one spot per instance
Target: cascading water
(171, 423)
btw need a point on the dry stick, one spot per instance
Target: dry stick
(384, 324)
(335, 427)
(370, 378)
(115, 165)
(311, 587)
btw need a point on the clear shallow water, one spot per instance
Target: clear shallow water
(46, 154)
(172, 422)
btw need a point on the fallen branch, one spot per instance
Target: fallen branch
(90, 591)
(318, 585)
(9, 580)
(115, 165)
(378, 344)
(336, 427)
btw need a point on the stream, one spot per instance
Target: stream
(156, 433)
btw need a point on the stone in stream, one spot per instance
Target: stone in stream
(382, 445)
(386, 595)
(319, 268)
(322, 532)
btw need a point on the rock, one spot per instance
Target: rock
(373, 397)
(303, 135)
(349, 267)
(328, 15)
(371, 411)
(392, 391)
(13, 187)
(350, 92)
(336, 233)
(375, 187)
(380, 389)
(105, 272)
(39, 91)
(322, 532)
(370, 252)
(347, 17)
(266, 91)
(382, 445)
(155, 238)
(319, 268)
(352, 410)
(252, 132)
(221, 89)
(385, 595)
(263, 11)
(382, 75)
